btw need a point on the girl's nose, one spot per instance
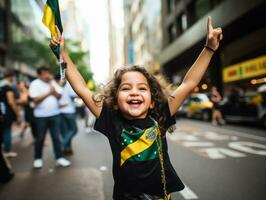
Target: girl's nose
(134, 92)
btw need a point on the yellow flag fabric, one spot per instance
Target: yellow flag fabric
(52, 18)
(49, 20)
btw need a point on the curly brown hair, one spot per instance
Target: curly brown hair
(109, 93)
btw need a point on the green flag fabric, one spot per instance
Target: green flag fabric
(52, 18)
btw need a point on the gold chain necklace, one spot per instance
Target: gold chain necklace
(160, 151)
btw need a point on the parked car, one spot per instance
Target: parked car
(197, 105)
(249, 107)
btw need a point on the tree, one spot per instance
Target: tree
(35, 53)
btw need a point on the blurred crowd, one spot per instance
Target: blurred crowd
(44, 105)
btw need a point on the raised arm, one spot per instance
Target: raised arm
(197, 70)
(75, 79)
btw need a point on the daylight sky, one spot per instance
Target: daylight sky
(96, 15)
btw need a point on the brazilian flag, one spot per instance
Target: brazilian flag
(52, 18)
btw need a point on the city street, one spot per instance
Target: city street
(215, 163)
(59, 56)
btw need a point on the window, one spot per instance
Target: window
(184, 23)
(170, 6)
(172, 33)
(181, 24)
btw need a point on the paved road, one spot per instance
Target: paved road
(218, 163)
(215, 163)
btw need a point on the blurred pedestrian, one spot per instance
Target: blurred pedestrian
(26, 102)
(11, 111)
(217, 117)
(5, 172)
(45, 94)
(69, 126)
(134, 114)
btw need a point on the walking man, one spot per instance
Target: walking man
(45, 93)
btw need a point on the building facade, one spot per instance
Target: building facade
(18, 22)
(143, 35)
(240, 60)
(5, 17)
(116, 35)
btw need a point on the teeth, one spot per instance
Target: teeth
(135, 101)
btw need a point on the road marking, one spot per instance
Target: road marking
(215, 136)
(103, 168)
(182, 136)
(246, 147)
(254, 137)
(221, 153)
(187, 193)
(197, 144)
(228, 130)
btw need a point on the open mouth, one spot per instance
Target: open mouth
(135, 102)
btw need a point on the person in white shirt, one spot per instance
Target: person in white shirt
(45, 93)
(68, 117)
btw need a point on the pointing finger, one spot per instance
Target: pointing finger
(209, 24)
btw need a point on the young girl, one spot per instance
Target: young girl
(134, 114)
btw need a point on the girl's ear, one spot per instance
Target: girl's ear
(152, 105)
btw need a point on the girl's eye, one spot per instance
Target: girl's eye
(125, 89)
(143, 88)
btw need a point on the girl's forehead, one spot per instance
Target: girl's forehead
(134, 77)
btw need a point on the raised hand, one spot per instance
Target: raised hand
(214, 35)
(58, 40)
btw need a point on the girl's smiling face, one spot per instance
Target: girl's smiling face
(134, 95)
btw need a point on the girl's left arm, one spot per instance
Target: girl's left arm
(197, 70)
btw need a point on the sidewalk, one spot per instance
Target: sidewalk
(82, 180)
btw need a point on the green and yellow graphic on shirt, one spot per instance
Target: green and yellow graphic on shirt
(139, 145)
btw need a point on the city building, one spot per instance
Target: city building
(18, 22)
(21, 22)
(116, 35)
(4, 31)
(143, 35)
(240, 60)
(76, 28)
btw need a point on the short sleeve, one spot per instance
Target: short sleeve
(103, 123)
(34, 90)
(8, 88)
(170, 120)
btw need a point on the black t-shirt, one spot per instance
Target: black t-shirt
(8, 114)
(134, 145)
(5, 110)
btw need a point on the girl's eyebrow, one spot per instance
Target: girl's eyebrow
(129, 84)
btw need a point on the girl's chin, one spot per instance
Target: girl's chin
(136, 115)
